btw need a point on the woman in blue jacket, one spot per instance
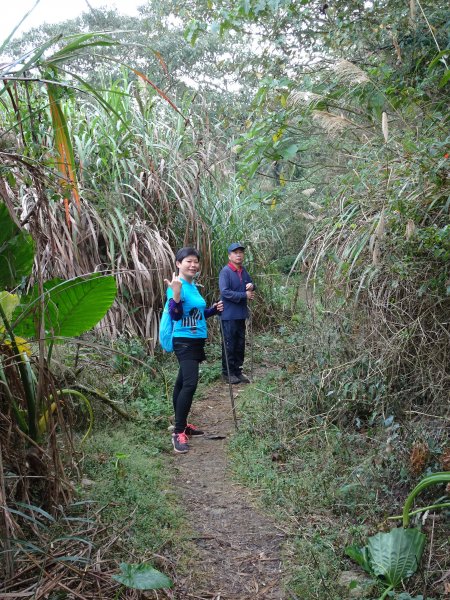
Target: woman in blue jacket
(188, 311)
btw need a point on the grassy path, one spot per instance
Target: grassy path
(237, 549)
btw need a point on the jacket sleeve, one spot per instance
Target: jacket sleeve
(225, 287)
(210, 312)
(248, 279)
(175, 309)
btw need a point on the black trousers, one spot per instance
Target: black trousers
(190, 353)
(234, 344)
(184, 391)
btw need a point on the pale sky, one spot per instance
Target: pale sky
(53, 11)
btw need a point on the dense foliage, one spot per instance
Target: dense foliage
(315, 132)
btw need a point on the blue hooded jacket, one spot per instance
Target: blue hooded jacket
(233, 293)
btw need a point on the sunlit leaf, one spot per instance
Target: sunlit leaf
(8, 302)
(289, 152)
(142, 577)
(22, 344)
(360, 556)
(396, 555)
(71, 307)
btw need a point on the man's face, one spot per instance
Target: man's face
(236, 257)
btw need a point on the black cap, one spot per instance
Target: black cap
(235, 246)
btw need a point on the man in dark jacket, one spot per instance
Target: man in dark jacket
(236, 287)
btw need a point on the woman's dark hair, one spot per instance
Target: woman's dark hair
(184, 252)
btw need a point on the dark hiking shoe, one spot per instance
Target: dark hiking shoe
(180, 443)
(231, 379)
(193, 430)
(243, 379)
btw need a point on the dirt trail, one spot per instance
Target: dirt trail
(238, 550)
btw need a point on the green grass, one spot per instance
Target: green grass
(129, 461)
(129, 467)
(329, 482)
(328, 486)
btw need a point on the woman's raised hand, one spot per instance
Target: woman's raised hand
(175, 284)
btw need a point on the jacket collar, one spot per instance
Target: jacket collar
(235, 268)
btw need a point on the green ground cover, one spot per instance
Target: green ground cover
(331, 462)
(330, 478)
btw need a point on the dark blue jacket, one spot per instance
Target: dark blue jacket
(233, 293)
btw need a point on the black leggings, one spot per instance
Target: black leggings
(183, 392)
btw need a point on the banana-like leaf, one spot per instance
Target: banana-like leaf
(16, 251)
(70, 307)
(8, 302)
(22, 344)
(142, 577)
(360, 556)
(64, 149)
(396, 555)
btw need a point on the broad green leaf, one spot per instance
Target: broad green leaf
(142, 577)
(8, 302)
(433, 479)
(71, 307)
(25, 62)
(80, 42)
(360, 556)
(289, 152)
(16, 251)
(28, 546)
(192, 31)
(396, 555)
(73, 538)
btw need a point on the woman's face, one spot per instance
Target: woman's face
(188, 267)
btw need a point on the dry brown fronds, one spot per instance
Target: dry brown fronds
(349, 73)
(445, 459)
(79, 564)
(135, 243)
(418, 457)
(333, 124)
(302, 99)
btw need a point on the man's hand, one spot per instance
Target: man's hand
(218, 305)
(249, 286)
(250, 294)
